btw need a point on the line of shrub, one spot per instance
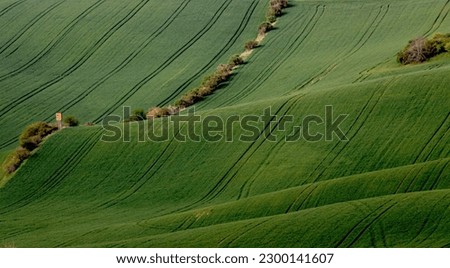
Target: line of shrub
(29, 140)
(422, 49)
(276, 9)
(223, 72)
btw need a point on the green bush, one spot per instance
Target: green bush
(14, 161)
(422, 49)
(265, 27)
(157, 112)
(236, 60)
(71, 121)
(251, 45)
(32, 136)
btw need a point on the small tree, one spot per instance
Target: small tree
(32, 136)
(421, 49)
(251, 45)
(71, 121)
(265, 27)
(157, 112)
(236, 60)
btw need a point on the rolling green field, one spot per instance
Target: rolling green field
(387, 186)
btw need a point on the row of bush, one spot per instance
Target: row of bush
(422, 49)
(222, 74)
(276, 9)
(29, 140)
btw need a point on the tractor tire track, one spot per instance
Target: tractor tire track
(361, 222)
(439, 220)
(243, 24)
(28, 26)
(127, 60)
(84, 58)
(248, 153)
(370, 224)
(250, 228)
(422, 151)
(144, 178)
(8, 8)
(362, 111)
(442, 14)
(365, 37)
(438, 177)
(222, 182)
(56, 178)
(246, 187)
(54, 42)
(8, 143)
(369, 112)
(287, 51)
(225, 180)
(166, 63)
(276, 59)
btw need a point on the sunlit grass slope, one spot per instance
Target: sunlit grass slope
(387, 186)
(88, 58)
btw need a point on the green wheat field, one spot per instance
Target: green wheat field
(387, 186)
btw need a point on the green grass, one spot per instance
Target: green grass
(388, 186)
(91, 57)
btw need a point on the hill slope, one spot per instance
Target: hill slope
(89, 58)
(387, 186)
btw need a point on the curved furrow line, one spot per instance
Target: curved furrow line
(222, 180)
(61, 35)
(248, 153)
(252, 180)
(243, 24)
(370, 31)
(435, 24)
(288, 50)
(422, 151)
(363, 75)
(371, 223)
(438, 177)
(144, 178)
(84, 58)
(251, 227)
(439, 220)
(127, 60)
(256, 56)
(28, 26)
(73, 161)
(226, 179)
(362, 111)
(291, 50)
(69, 164)
(299, 206)
(248, 183)
(408, 175)
(8, 143)
(367, 217)
(8, 8)
(150, 172)
(166, 63)
(365, 37)
(369, 112)
(413, 180)
(300, 195)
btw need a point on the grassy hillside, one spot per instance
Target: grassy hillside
(387, 186)
(88, 58)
